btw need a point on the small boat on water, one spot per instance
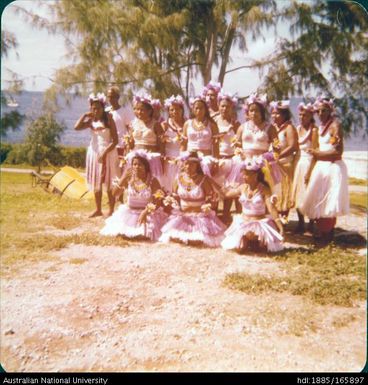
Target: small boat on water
(12, 102)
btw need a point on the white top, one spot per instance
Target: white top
(138, 199)
(254, 138)
(172, 146)
(143, 135)
(121, 120)
(199, 139)
(324, 141)
(305, 141)
(193, 197)
(225, 142)
(101, 136)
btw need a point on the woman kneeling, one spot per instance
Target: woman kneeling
(254, 228)
(141, 216)
(192, 220)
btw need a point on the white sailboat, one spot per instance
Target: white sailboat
(11, 102)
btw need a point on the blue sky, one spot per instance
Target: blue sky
(40, 54)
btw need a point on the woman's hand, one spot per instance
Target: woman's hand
(102, 158)
(143, 217)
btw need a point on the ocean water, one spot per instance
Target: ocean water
(30, 104)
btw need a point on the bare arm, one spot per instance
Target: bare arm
(336, 152)
(215, 142)
(291, 140)
(184, 142)
(83, 122)
(313, 162)
(272, 210)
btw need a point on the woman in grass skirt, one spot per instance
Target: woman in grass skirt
(254, 228)
(142, 215)
(327, 195)
(192, 221)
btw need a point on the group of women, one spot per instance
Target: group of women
(173, 174)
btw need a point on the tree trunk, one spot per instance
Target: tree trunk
(229, 38)
(210, 52)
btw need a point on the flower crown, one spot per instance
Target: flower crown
(215, 86)
(259, 99)
(197, 99)
(254, 163)
(322, 100)
(145, 98)
(184, 156)
(178, 99)
(306, 107)
(136, 153)
(283, 104)
(273, 105)
(99, 97)
(156, 103)
(225, 95)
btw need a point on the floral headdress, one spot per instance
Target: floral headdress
(197, 99)
(99, 97)
(273, 105)
(156, 104)
(187, 155)
(178, 99)
(136, 153)
(145, 98)
(254, 163)
(306, 107)
(283, 104)
(259, 99)
(215, 86)
(324, 101)
(225, 95)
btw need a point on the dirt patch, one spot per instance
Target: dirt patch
(155, 307)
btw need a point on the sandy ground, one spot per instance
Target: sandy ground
(155, 307)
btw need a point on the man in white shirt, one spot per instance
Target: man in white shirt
(120, 116)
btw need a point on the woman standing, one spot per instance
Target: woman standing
(142, 215)
(307, 139)
(254, 137)
(102, 162)
(286, 147)
(192, 220)
(227, 127)
(200, 134)
(145, 133)
(171, 138)
(210, 93)
(327, 195)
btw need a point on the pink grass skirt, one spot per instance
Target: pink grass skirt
(204, 227)
(124, 221)
(264, 229)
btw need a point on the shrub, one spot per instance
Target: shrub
(5, 148)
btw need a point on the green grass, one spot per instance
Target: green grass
(30, 214)
(358, 182)
(330, 275)
(358, 202)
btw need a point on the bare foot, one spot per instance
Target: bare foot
(97, 213)
(109, 214)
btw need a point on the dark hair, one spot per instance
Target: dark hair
(262, 110)
(285, 112)
(105, 117)
(260, 176)
(194, 154)
(144, 161)
(207, 111)
(148, 107)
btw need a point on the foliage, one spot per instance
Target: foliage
(10, 119)
(163, 46)
(4, 151)
(41, 140)
(327, 276)
(15, 154)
